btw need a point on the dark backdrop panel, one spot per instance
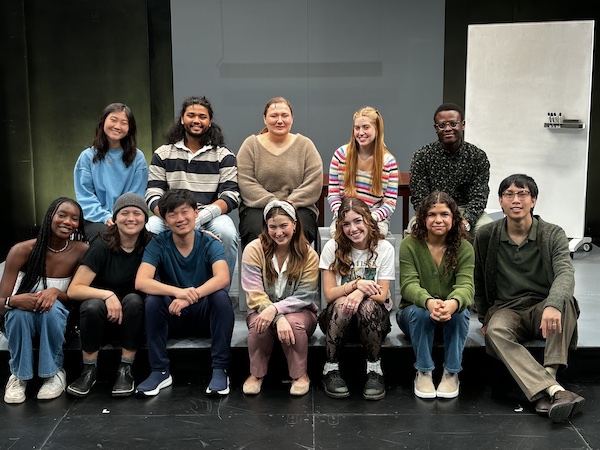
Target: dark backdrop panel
(63, 62)
(462, 13)
(16, 173)
(82, 56)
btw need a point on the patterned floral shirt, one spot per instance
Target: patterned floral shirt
(464, 175)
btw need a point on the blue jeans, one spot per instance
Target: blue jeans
(221, 226)
(416, 324)
(211, 316)
(22, 327)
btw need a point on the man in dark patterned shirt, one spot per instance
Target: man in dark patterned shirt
(454, 166)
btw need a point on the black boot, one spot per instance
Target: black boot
(82, 386)
(124, 386)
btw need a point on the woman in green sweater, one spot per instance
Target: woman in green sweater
(436, 284)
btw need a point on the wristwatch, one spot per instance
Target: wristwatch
(7, 303)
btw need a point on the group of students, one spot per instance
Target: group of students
(167, 274)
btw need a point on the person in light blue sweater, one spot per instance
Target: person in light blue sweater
(112, 166)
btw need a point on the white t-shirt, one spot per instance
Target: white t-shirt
(380, 267)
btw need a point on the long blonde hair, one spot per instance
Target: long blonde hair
(351, 168)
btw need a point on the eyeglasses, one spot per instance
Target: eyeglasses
(521, 194)
(441, 126)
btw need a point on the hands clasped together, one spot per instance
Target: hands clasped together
(441, 310)
(284, 329)
(364, 288)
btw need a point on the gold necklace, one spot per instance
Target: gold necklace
(61, 250)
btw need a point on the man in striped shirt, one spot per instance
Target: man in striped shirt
(195, 158)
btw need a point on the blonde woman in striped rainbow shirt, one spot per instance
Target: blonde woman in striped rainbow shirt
(365, 169)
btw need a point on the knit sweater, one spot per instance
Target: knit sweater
(99, 184)
(299, 294)
(464, 175)
(210, 173)
(295, 175)
(421, 279)
(554, 250)
(382, 206)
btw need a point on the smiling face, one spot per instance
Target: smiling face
(521, 204)
(278, 119)
(365, 132)
(449, 136)
(130, 221)
(196, 120)
(281, 229)
(65, 220)
(116, 127)
(438, 220)
(182, 219)
(355, 229)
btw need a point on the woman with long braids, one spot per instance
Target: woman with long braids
(436, 284)
(357, 267)
(33, 293)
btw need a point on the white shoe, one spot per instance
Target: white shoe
(53, 387)
(448, 387)
(15, 390)
(424, 387)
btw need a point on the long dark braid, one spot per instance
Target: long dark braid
(36, 264)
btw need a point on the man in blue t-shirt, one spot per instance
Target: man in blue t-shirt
(190, 298)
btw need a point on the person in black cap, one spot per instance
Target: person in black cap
(112, 311)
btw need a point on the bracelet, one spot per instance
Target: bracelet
(7, 303)
(344, 288)
(355, 285)
(109, 296)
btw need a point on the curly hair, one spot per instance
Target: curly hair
(343, 253)
(456, 234)
(128, 143)
(212, 136)
(298, 248)
(36, 263)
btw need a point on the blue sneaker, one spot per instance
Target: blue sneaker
(219, 383)
(154, 383)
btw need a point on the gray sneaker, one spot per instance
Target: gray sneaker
(424, 387)
(15, 390)
(53, 387)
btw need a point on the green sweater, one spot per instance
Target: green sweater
(420, 279)
(556, 259)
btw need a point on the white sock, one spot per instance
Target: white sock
(552, 371)
(374, 367)
(554, 389)
(330, 366)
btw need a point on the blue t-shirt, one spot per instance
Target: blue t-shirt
(172, 268)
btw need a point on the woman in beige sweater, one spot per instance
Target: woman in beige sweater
(278, 165)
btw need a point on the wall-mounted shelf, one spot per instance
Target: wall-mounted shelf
(566, 123)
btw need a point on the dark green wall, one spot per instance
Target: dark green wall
(462, 13)
(66, 61)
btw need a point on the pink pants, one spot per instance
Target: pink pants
(260, 345)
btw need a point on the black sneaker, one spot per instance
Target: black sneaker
(334, 385)
(124, 386)
(82, 386)
(374, 387)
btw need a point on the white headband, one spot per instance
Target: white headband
(287, 207)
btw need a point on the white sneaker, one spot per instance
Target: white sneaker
(424, 387)
(53, 387)
(448, 387)
(15, 390)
